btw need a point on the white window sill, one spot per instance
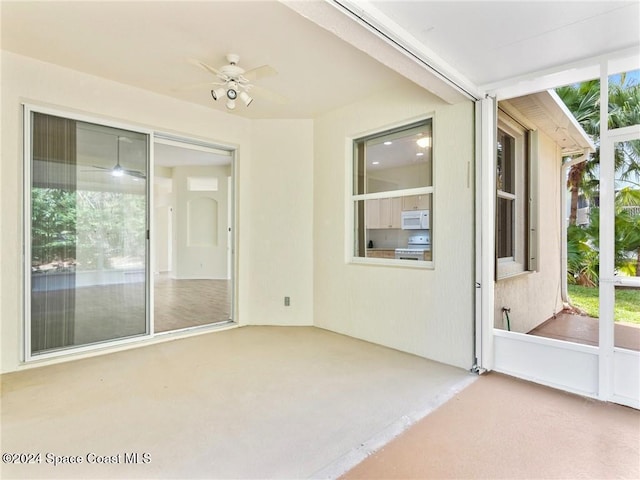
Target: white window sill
(389, 262)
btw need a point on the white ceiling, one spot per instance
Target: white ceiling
(480, 43)
(490, 42)
(147, 44)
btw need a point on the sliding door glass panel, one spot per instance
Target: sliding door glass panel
(88, 233)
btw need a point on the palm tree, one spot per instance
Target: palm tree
(583, 100)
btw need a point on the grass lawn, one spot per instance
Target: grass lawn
(627, 308)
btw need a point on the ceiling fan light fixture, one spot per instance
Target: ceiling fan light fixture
(232, 94)
(218, 93)
(244, 96)
(231, 104)
(117, 171)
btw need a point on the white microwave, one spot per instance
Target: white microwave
(415, 220)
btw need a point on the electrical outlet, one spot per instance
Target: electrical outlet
(287, 301)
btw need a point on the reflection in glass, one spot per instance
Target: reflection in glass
(88, 233)
(396, 160)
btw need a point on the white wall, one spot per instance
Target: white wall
(535, 297)
(281, 232)
(428, 312)
(197, 258)
(276, 268)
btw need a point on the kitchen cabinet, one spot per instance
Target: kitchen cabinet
(380, 253)
(416, 202)
(383, 213)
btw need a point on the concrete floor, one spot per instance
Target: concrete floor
(252, 402)
(504, 428)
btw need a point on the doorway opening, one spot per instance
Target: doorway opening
(192, 234)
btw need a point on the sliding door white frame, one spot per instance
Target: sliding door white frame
(28, 110)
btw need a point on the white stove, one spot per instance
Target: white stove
(416, 246)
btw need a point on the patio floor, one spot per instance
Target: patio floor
(583, 329)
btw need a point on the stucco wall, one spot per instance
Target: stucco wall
(534, 297)
(428, 312)
(27, 80)
(280, 236)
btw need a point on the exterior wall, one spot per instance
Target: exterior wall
(30, 81)
(428, 312)
(280, 236)
(536, 296)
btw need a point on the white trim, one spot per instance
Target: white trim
(505, 195)
(579, 71)
(569, 366)
(407, 192)
(572, 120)
(624, 134)
(190, 144)
(151, 250)
(626, 377)
(486, 246)
(607, 239)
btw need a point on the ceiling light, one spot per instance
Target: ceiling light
(424, 142)
(232, 94)
(218, 93)
(375, 163)
(117, 171)
(419, 154)
(244, 96)
(231, 104)
(388, 142)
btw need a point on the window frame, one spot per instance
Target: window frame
(352, 238)
(525, 197)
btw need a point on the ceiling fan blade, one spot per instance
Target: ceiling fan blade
(131, 173)
(198, 85)
(260, 92)
(135, 173)
(207, 68)
(258, 73)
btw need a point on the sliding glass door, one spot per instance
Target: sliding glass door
(86, 233)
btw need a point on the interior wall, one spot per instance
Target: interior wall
(280, 205)
(428, 312)
(281, 231)
(200, 258)
(534, 297)
(163, 204)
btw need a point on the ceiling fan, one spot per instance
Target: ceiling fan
(235, 83)
(118, 170)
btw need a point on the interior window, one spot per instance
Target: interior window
(393, 194)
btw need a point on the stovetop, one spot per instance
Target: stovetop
(416, 243)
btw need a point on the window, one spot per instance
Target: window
(392, 197)
(516, 237)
